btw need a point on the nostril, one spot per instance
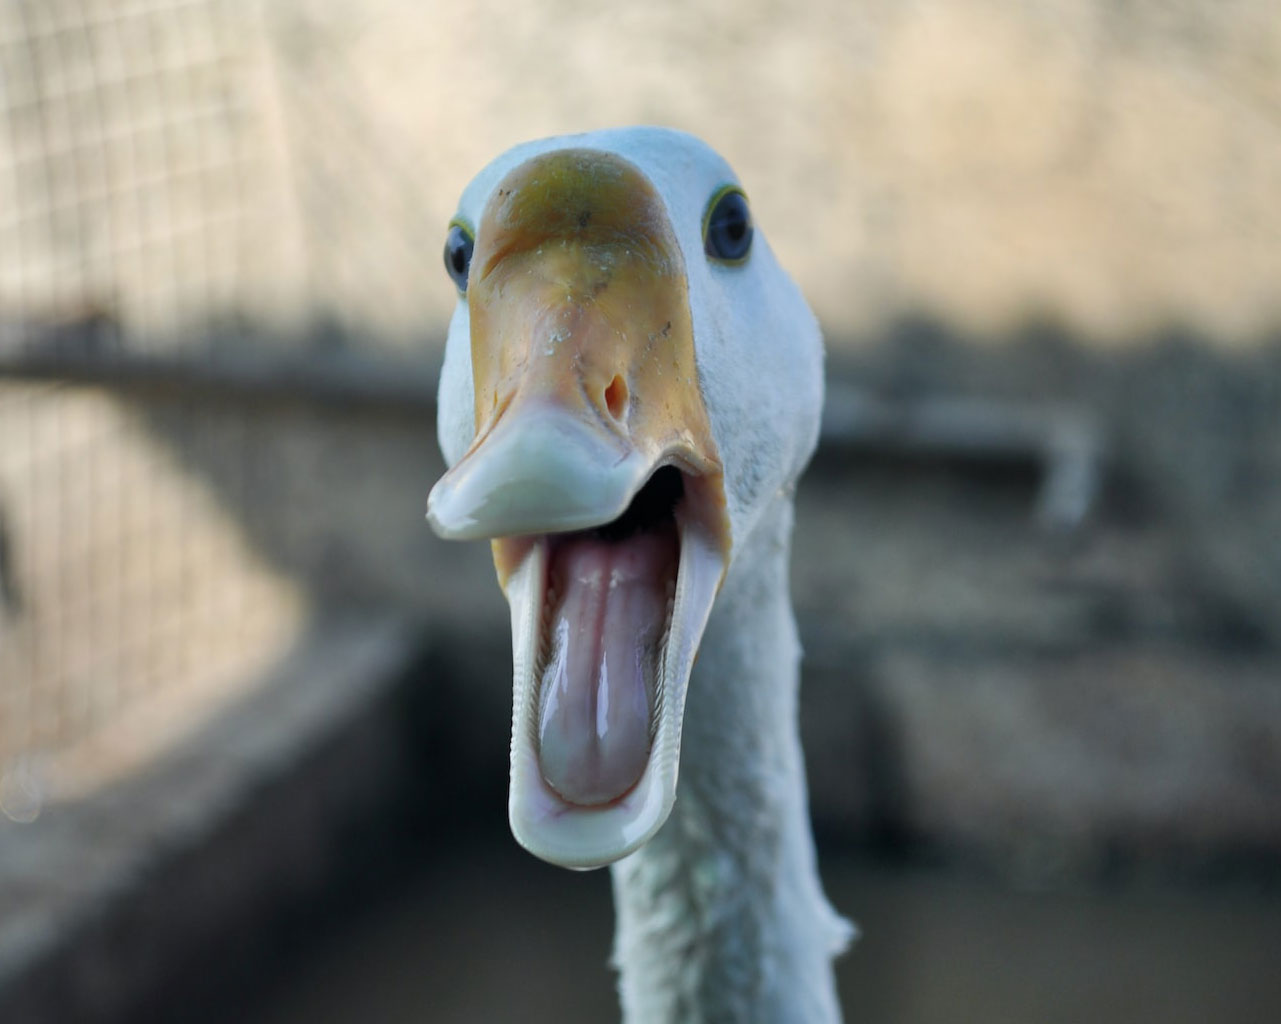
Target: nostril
(616, 397)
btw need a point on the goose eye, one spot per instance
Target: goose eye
(458, 246)
(727, 228)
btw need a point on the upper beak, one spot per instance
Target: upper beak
(582, 356)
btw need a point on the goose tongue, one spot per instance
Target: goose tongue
(605, 636)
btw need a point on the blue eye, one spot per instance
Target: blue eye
(727, 228)
(458, 247)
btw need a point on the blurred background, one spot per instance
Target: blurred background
(253, 716)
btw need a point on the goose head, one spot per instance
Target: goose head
(629, 380)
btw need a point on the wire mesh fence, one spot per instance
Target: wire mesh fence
(131, 603)
(146, 212)
(137, 176)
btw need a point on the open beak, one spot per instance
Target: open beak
(594, 472)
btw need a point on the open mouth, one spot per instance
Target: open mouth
(606, 621)
(610, 558)
(607, 612)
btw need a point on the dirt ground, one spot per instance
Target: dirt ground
(487, 932)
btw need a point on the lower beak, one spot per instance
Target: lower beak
(602, 656)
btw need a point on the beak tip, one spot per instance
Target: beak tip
(437, 527)
(537, 474)
(447, 521)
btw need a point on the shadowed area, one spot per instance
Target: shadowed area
(487, 933)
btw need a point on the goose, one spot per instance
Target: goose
(631, 387)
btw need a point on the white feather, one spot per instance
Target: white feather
(721, 916)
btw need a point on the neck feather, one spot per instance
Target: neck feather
(721, 915)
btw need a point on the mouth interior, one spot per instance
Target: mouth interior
(607, 611)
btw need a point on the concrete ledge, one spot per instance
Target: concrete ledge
(117, 903)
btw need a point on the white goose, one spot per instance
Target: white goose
(631, 388)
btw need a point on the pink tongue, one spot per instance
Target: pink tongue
(597, 691)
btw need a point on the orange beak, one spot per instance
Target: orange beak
(586, 392)
(582, 357)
